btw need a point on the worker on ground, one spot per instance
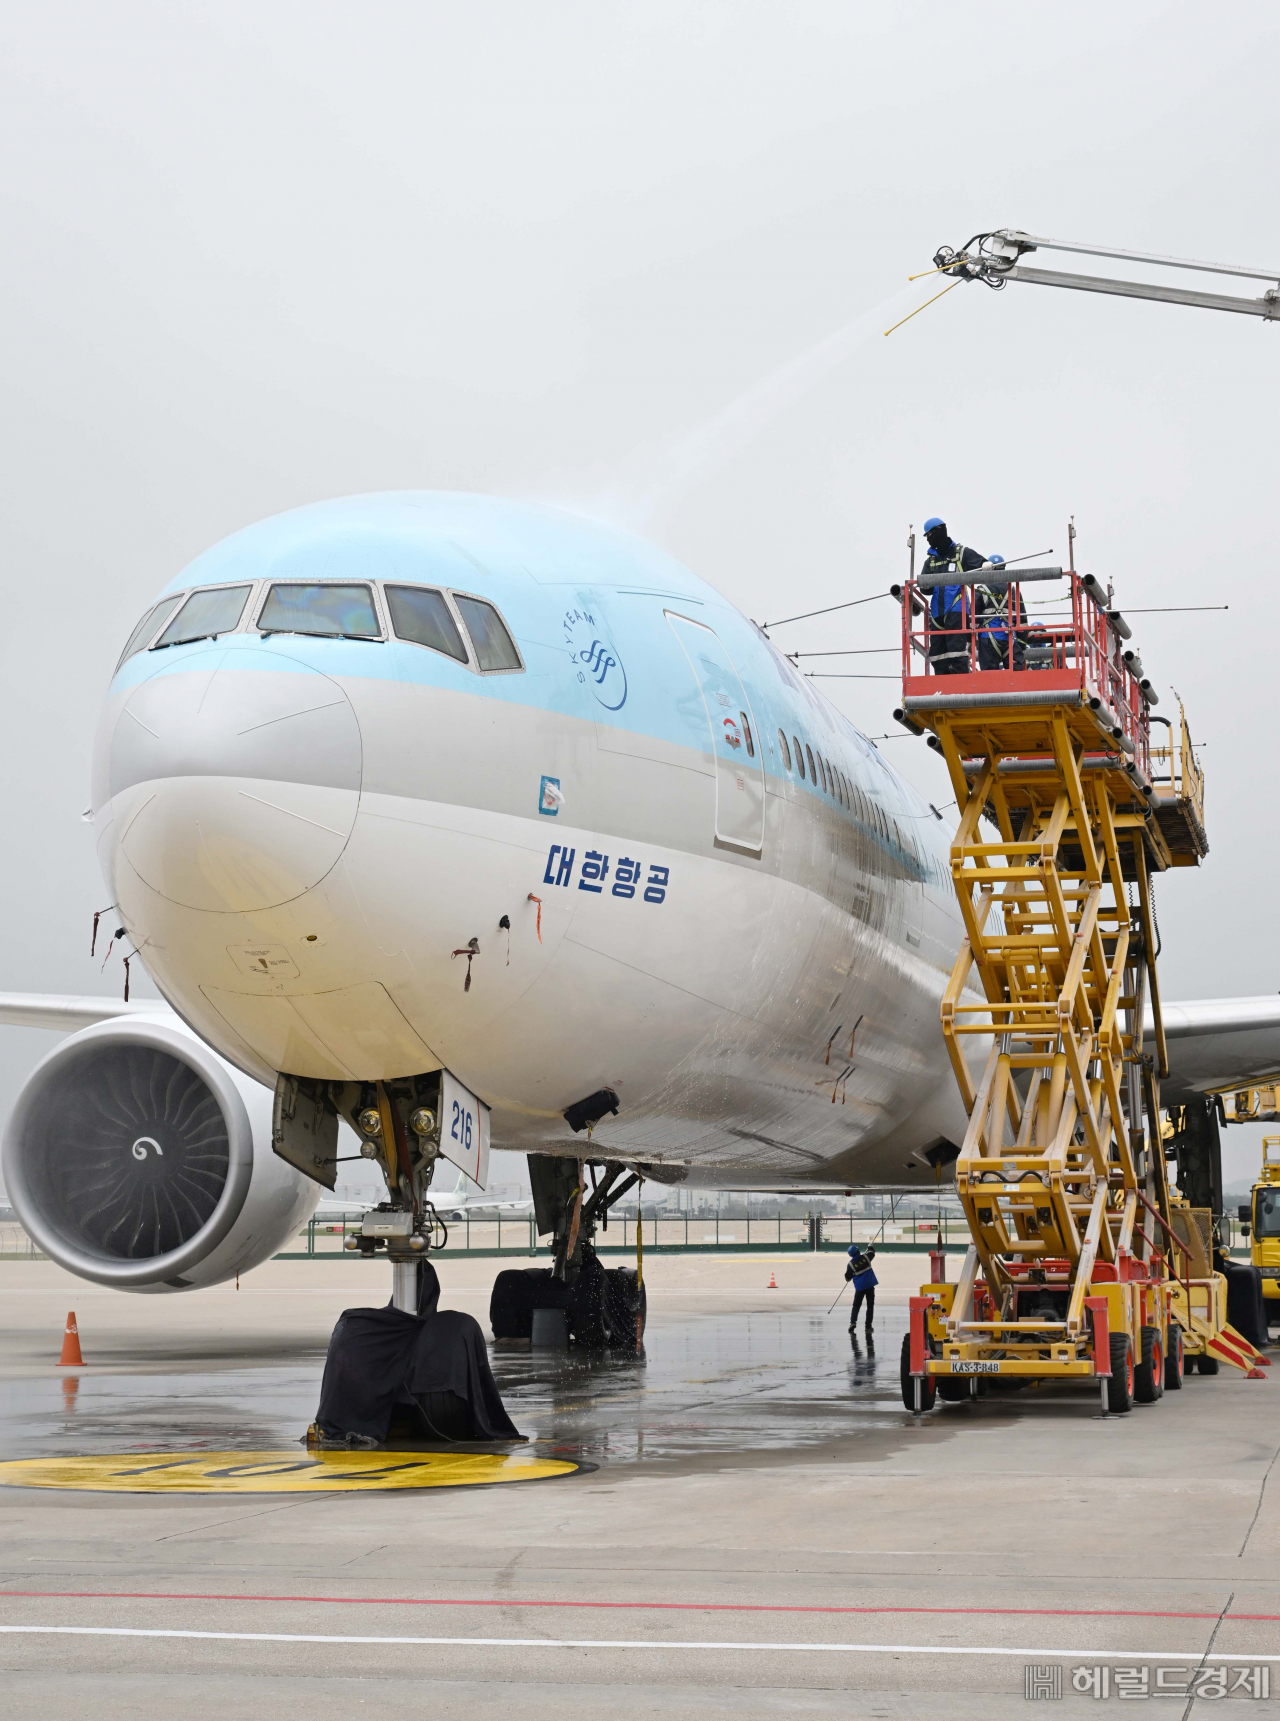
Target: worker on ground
(1003, 604)
(950, 604)
(864, 1279)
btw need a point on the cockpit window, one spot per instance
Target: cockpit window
(155, 617)
(422, 615)
(495, 648)
(205, 613)
(328, 611)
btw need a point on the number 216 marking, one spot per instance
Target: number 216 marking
(462, 1126)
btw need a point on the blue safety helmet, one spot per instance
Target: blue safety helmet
(930, 524)
(996, 561)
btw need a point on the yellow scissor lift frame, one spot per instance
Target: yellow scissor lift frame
(1062, 1172)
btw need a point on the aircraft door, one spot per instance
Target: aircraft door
(735, 740)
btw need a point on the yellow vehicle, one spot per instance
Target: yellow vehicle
(1082, 1265)
(1260, 1218)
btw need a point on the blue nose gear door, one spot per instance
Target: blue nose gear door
(735, 743)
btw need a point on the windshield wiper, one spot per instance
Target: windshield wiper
(164, 644)
(314, 633)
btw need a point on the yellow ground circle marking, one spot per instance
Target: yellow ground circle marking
(289, 1472)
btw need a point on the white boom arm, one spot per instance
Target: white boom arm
(994, 258)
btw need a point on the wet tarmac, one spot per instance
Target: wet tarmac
(761, 1527)
(723, 1388)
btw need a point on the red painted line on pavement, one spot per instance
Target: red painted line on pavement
(643, 1606)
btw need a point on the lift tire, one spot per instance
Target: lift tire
(1120, 1386)
(1207, 1364)
(1148, 1372)
(1271, 1306)
(951, 1390)
(1174, 1360)
(928, 1386)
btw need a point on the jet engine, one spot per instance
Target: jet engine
(138, 1158)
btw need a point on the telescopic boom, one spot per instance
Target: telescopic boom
(996, 257)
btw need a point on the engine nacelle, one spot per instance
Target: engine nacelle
(138, 1158)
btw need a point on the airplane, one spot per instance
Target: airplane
(457, 1203)
(464, 820)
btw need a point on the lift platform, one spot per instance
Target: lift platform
(1076, 1269)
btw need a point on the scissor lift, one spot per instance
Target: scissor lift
(1062, 1170)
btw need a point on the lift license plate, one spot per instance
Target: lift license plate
(975, 1368)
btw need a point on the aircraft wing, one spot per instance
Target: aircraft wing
(1220, 1043)
(65, 1013)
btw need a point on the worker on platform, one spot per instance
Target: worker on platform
(1003, 644)
(864, 1279)
(950, 604)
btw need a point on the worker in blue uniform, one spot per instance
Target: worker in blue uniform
(950, 604)
(1003, 644)
(864, 1279)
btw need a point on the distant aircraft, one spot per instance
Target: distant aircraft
(458, 1203)
(462, 819)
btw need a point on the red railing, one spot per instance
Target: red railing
(993, 645)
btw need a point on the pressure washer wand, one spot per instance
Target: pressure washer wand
(841, 1293)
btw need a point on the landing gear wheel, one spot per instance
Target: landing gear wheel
(1207, 1364)
(516, 1294)
(928, 1386)
(601, 1304)
(1120, 1386)
(1148, 1374)
(622, 1302)
(1174, 1361)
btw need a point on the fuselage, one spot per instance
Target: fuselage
(687, 877)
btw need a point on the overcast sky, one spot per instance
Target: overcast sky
(260, 255)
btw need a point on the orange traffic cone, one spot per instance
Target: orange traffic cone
(71, 1357)
(773, 1283)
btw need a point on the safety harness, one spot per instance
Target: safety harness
(947, 602)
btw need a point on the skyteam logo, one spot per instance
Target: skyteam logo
(595, 658)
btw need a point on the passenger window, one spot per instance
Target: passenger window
(799, 756)
(746, 730)
(786, 751)
(422, 616)
(324, 611)
(495, 648)
(813, 775)
(155, 617)
(205, 614)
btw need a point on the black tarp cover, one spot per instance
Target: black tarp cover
(1246, 1310)
(380, 1359)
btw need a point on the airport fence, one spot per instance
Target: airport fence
(15, 1245)
(664, 1232)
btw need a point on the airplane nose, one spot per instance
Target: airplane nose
(235, 778)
